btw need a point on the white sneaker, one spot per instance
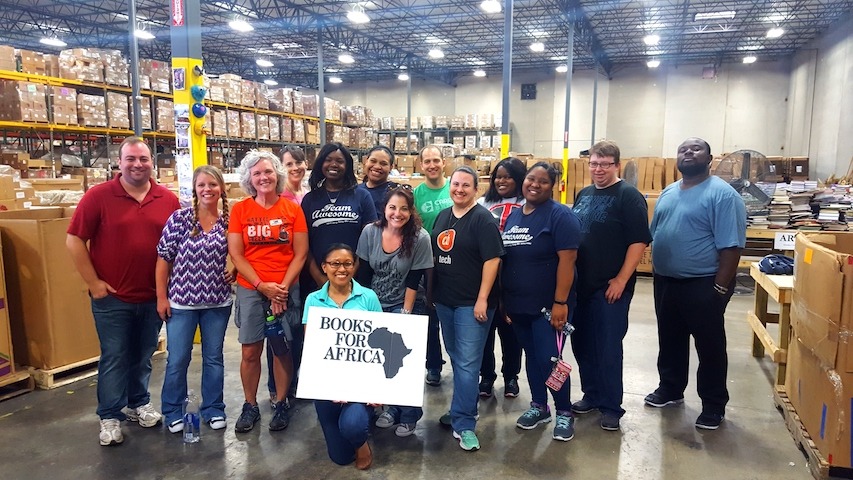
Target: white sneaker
(386, 420)
(405, 429)
(177, 426)
(110, 432)
(145, 415)
(217, 423)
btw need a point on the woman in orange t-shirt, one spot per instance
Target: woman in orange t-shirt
(268, 243)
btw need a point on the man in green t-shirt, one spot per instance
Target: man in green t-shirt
(431, 197)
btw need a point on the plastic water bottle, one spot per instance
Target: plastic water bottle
(568, 328)
(192, 420)
(274, 332)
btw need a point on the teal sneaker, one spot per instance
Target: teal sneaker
(467, 440)
(564, 430)
(533, 417)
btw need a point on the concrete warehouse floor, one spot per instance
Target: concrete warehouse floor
(53, 434)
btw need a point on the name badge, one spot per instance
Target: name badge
(275, 222)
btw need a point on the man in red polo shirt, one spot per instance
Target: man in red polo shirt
(122, 221)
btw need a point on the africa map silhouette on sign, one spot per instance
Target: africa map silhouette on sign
(393, 347)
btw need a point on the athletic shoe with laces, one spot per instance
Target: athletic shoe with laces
(176, 426)
(385, 420)
(145, 415)
(511, 389)
(534, 416)
(583, 406)
(564, 430)
(216, 423)
(709, 421)
(433, 377)
(248, 418)
(658, 400)
(405, 429)
(110, 432)
(281, 418)
(467, 440)
(486, 388)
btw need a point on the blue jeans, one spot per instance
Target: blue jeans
(464, 339)
(345, 428)
(434, 360)
(597, 345)
(180, 330)
(539, 341)
(407, 414)
(128, 336)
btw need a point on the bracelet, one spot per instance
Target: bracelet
(720, 289)
(257, 283)
(404, 311)
(557, 302)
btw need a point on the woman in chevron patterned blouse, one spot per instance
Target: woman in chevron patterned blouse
(193, 290)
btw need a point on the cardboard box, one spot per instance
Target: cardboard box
(44, 184)
(16, 160)
(49, 306)
(7, 359)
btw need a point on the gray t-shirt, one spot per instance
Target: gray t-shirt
(390, 269)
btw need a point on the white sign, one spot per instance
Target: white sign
(784, 240)
(367, 357)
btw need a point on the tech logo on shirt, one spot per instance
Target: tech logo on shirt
(446, 239)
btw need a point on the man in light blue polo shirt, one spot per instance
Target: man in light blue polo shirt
(698, 231)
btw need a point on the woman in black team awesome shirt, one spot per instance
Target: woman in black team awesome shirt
(467, 246)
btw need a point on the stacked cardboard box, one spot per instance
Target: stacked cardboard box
(7, 359)
(165, 115)
(426, 123)
(233, 118)
(442, 121)
(312, 132)
(89, 176)
(155, 75)
(333, 109)
(296, 97)
(219, 120)
(216, 159)
(247, 125)
(386, 123)
(116, 68)
(357, 116)
(32, 62)
(145, 111)
(51, 65)
(247, 93)
(263, 126)
(287, 130)
(81, 64)
(311, 105)
(64, 105)
(298, 135)
(275, 128)
(16, 160)
(23, 101)
(261, 92)
(117, 110)
(15, 197)
(8, 58)
(91, 110)
(280, 99)
(227, 88)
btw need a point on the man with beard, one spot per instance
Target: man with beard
(698, 231)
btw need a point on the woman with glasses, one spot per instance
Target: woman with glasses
(394, 253)
(346, 426)
(377, 167)
(502, 198)
(541, 241)
(336, 211)
(467, 249)
(268, 243)
(614, 234)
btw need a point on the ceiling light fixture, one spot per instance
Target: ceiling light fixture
(240, 25)
(403, 76)
(775, 32)
(537, 47)
(479, 73)
(357, 15)
(261, 62)
(727, 15)
(53, 42)
(562, 68)
(335, 80)
(143, 34)
(491, 6)
(346, 58)
(651, 40)
(654, 63)
(270, 82)
(436, 53)
(749, 59)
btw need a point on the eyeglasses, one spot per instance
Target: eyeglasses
(604, 165)
(337, 265)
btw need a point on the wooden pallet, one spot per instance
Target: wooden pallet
(818, 465)
(16, 384)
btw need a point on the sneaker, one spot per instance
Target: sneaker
(405, 429)
(145, 415)
(609, 422)
(533, 417)
(655, 399)
(486, 388)
(446, 419)
(386, 420)
(709, 421)
(248, 418)
(564, 430)
(467, 440)
(281, 417)
(511, 388)
(110, 432)
(176, 426)
(433, 377)
(216, 423)
(583, 406)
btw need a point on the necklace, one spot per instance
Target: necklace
(460, 217)
(333, 200)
